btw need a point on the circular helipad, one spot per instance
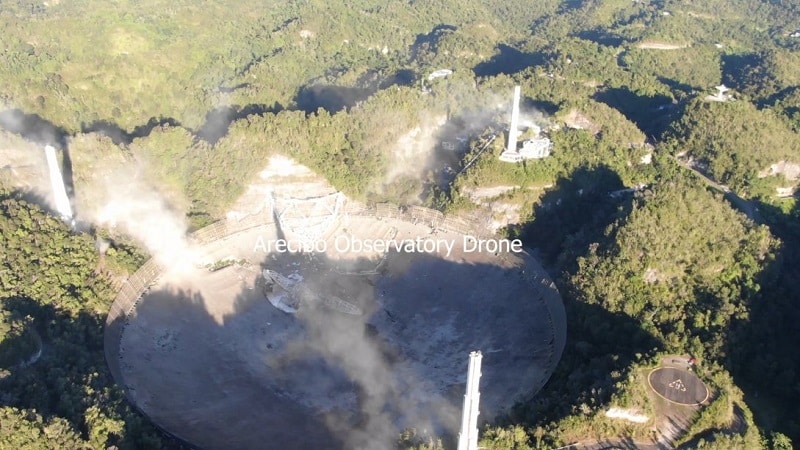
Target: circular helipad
(678, 386)
(258, 347)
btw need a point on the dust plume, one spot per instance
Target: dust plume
(114, 192)
(411, 154)
(389, 400)
(431, 151)
(23, 167)
(391, 396)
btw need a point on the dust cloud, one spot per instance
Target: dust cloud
(391, 396)
(23, 167)
(119, 197)
(412, 151)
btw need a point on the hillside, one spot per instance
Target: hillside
(186, 101)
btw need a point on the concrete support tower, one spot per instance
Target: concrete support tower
(513, 129)
(468, 436)
(63, 206)
(511, 154)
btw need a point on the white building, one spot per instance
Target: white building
(721, 95)
(441, 73)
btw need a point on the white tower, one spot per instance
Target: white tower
(511, 154)
(468, 436)
(513, 129)
(57, 183)
(721, 90)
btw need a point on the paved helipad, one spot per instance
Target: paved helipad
(678, 386)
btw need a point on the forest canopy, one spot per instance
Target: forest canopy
(669, 222)
(54, 294)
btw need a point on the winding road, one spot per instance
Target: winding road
(747, 207)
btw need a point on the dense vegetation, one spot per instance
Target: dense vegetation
(56, 389)
(197, 95)
(651, 269)
(735, 142)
